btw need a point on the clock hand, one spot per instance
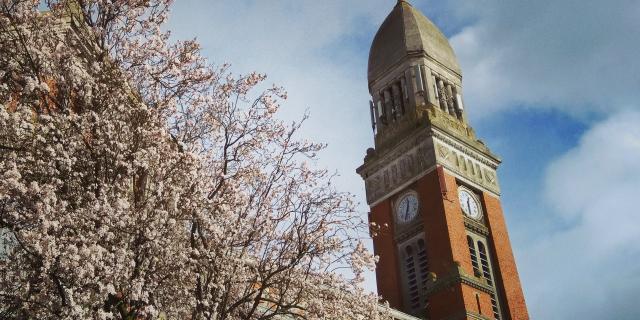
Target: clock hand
(406, 211)
(469, 205)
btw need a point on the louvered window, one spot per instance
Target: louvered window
(412, 278)
(486, 273)
(416, 268)
(480, 260)
(484, 261)
(423, 263)
(474, 256)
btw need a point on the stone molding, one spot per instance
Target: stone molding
(477, 316)
(462, 315)
(454, 144)
(411, 159)
(418, 155)
(466, 163)
(458, 275)
(403, 233)
(476, 226)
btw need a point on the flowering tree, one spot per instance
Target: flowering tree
(137, 181)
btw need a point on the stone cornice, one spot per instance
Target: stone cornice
(378, 159)
(456, 276)
(476, 226)
(466, 315)
(405, 233)
(466, 165)
(483, 156)
(406, 61)
(418, 154)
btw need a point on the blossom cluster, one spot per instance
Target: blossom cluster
(139, 181)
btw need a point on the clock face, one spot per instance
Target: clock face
(469, 204)
(407, 208)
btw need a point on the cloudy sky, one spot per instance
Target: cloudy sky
(551, 86)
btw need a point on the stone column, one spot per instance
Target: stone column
(433, 86)
(460, 104)
(419, 85)
(404, 92)
(372, 110)
(397, 100)
(388, 105)
(450, 101)
(411, 90)
(457, 101)
(443, 96)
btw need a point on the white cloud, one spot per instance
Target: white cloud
(606, 161)
(579, 57)
(587, 268)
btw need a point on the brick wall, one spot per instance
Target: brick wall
(387, 273)
(504, 262)
(447, 248)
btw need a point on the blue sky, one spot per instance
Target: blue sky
(551, 86)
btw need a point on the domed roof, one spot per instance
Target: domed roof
(407, 31)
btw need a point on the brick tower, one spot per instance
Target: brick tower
(432, 185)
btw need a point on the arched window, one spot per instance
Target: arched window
(415, 266)
(412, 277)
(487, 275)
(474, 257)
(482, 267)
(423, 263)
(484, 261)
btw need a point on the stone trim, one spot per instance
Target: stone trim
(385, 176)
(413, 157)
(466, 150)
(476, 227)
(477, 316)
(421, 57)
(460, 315)
(476, 284)
(400, 187)
(396, 314)
(467, 169)
(465, 315)
(409, 232)
(458, 276)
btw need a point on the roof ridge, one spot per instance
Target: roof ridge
(403, 25)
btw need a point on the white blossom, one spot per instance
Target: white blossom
(139, 180)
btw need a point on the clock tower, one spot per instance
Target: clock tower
(437, 224)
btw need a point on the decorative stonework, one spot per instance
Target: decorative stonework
(475, 316)
(395, 169)
(444, 120)
(468, 315)
(458, 275)
(476, 227)
(416, 156)
(404, 233)
(466, 162)
(456, 145)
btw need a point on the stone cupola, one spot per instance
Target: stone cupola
(414, 79)
(420, 38)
